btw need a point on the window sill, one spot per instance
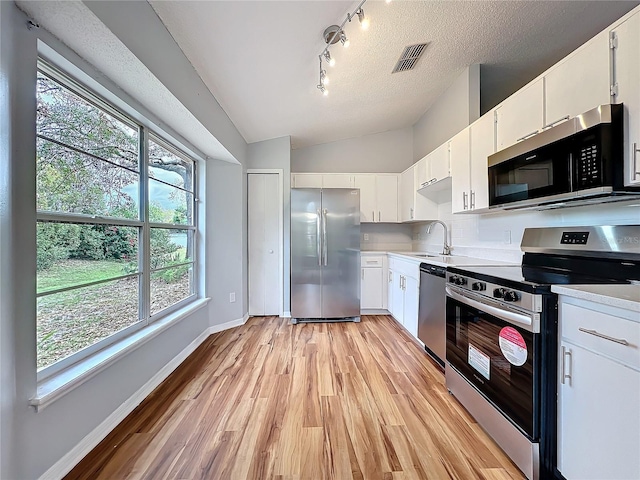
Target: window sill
(58, 385)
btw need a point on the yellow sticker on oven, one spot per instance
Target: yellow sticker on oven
(512, 346)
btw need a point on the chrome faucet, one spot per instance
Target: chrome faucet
(446, 249)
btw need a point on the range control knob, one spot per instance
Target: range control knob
(511, 296)
(479, 286)
(461, 281)
(498, 292)
(452, 279)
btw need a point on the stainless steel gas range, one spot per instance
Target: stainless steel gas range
(502, 335)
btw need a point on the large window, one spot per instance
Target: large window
(116, 224)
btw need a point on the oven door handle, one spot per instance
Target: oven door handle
(525, 321)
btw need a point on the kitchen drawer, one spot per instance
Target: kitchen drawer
(368, 261)
(573, 318)
(405, 267)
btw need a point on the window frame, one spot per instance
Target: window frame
(85, 93)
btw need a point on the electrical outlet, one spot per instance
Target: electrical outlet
(366, 237)
(232, 297)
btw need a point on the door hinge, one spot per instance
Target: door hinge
(613, 91)
(613, 40)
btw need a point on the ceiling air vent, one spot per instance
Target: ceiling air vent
(409, 57)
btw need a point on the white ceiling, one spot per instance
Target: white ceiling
(259, 58)
(77, 27)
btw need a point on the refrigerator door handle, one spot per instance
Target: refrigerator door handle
(318, 239)
(324, 236)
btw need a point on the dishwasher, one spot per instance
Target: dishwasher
(431, 311)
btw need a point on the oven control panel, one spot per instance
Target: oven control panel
(495, 291)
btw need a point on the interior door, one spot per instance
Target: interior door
(341, 253)
(264, 244)
(306, 255)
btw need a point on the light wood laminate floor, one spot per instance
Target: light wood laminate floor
(309, 401)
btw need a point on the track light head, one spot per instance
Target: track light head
(324, 79)
(364, 21)
(327, 57)
(344, 40)
(323, 89)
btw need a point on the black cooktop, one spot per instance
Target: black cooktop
(538, 272)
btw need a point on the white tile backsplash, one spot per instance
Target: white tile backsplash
(385, 237)
(497, 236)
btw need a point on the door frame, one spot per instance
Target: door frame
(280, 173)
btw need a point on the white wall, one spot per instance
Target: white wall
(159, 52)
(498, 235)
(276, 153)
(456, 109)
(385, 237)
(381, 152)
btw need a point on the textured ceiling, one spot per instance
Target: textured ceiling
(260, 61)
(76, 26)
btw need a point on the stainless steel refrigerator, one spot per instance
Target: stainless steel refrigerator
(325, 254)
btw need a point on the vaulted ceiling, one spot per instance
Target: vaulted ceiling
(260, 58)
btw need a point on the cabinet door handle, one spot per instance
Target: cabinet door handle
(549, 125)
(464, 200)
(390, 277)
(373, 216)
(378, 215)
(362, 273)
(636, 171)
(566, 376)
(527, 136)
(473, 200)
(411, 213)
(595, 333)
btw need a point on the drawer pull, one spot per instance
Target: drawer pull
(372, 261)
(621, 341)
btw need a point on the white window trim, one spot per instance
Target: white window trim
(56, 379)
(65, 381)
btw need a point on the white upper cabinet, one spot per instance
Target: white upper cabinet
(482, 145)
(387, 198)
(407, 195)
(439, 163)
(460, 172)
(378, 197)
(306, 180)
(521, 115)
(337, 180)
(626, 55)
(422, 173)
(578, 83)
(367, 185)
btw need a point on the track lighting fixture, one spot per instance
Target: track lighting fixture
(327, 57)
(344, 40)
(364, 21)
(334, 34)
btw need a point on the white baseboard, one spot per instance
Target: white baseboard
(227, 325)
(374, 311)
(286, 315)
(88, 443)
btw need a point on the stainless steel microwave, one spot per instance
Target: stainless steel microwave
(580, 159)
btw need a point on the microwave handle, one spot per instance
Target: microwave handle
(527, 136)
(525, 321)
(636, 170)
(549, 125)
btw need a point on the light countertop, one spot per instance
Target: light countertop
(621, 296)
(441, 260)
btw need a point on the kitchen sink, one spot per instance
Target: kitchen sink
(424, 255)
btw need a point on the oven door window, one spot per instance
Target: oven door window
(498, 358)
(541, 173)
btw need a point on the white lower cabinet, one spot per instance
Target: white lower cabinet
(404, 287)
(598, 393)
(373, 285)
